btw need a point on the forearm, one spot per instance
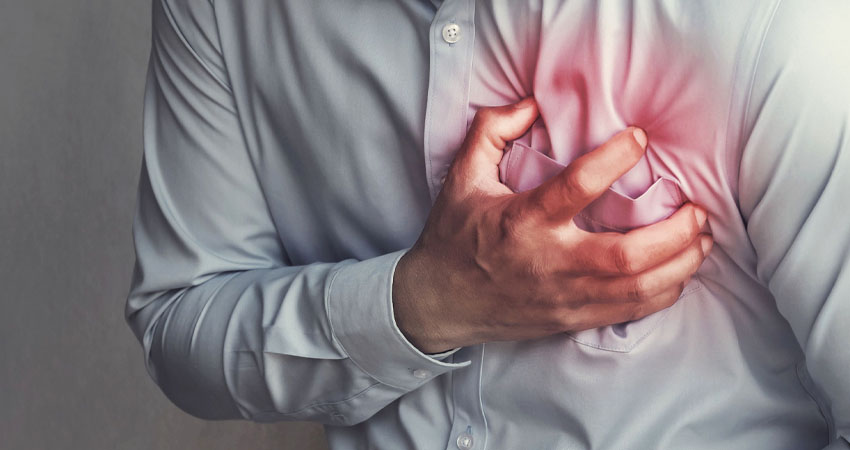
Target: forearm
(311, 342)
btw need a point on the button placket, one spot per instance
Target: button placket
(451, 40)
(469, 426)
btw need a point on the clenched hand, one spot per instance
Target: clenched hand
(493, 265)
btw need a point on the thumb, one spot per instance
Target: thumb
(490, 132)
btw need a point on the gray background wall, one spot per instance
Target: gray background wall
(71, 83)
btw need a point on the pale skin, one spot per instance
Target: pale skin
(493, 265)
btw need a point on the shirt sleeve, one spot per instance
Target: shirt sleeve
(229, 328)
(794, 189)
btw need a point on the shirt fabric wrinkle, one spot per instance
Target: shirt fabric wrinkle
(226, 336)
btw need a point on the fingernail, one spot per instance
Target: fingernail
(700, 215)
(706, 242)
(640, 137)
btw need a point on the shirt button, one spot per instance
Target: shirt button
(421, 373)
(451, 33)
(464, 441)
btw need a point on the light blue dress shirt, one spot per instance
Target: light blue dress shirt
(293, 149)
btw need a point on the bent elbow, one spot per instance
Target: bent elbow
(194, 383)
(188, 368)
(192, 388)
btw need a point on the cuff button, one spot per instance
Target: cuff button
(421, 373)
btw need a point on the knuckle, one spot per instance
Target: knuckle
(669, 298)
(624, 260)
(696, 256)
(638, 311)
(550, 301)
(561, 320)
(640, 289)
(534, 200)
(571, 312)
(689, 232)
(507, 224)
(484, 115)
(564, 322)
(578, 185)
(694, 228)
(571, 320)
(510, 222)
(547, 300)
(538, 271)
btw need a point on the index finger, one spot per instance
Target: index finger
(564, 195)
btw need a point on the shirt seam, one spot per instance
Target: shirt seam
(806, 383)
(470, 52)
(331, 403)
(429, 113)
(628, 347)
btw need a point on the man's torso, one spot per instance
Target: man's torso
(352, 118)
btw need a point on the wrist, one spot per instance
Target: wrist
(415, 307)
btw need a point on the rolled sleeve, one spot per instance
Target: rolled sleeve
(359, 307)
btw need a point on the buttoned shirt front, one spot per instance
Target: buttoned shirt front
(293, 150)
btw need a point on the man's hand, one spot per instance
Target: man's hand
(492, 265)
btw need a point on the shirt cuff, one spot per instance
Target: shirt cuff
(359, 305)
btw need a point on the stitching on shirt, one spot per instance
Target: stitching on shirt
(481, 397)
(326, 404)
(697, 285)
(470, 6)
(429, 113)
(688, 291)
(626, 347)
(470, 52)
(326, 302)
(805, 382)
